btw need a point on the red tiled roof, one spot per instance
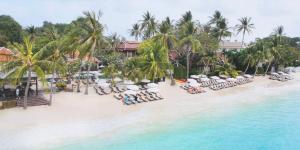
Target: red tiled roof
(128, 46)
(173, 54)
(5, 51)
(5, 54)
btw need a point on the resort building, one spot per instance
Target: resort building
(228, 46)
(129, 48)
(5, 54)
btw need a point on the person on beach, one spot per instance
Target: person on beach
(18, 92)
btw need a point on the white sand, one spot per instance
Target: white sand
(74, 115)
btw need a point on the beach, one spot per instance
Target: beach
(75, 116)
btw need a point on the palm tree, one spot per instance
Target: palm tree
(187, 17)
(148, 25)
(259, 54)
(154, 61)
(32, 31)
(135, 31)
(55, 52)
(167, 39)
(189, 42)
(132, 69)
(25, 62)
(279, 31)
(92, 39)
(222, 30)
(245, 26)
(247, 57)
(217, 16)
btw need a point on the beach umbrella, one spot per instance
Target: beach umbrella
(101, 66)
(204, 79)
(240, 77)
(152, 85)
(215, 77)
(280, 72)
(153, 90)
(231, 79)
(194, 76)
(247, 76)
(103, 85)
(101, 80)
(146, 81)
(274, 73)
(221, 81)
(128, 82)
(223, 76)
(117, 79)
(191, 80)
(133, 87)
(194, 84)
(130, 92)
(202, 76)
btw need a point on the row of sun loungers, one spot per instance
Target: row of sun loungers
(138, 98)
(117, 89)
(101, 91)
(280, 76)
(85, 82)
(228, 84)
(193, 90)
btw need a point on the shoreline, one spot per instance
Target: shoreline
(81, 116)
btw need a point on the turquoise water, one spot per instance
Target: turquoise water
(270, 125)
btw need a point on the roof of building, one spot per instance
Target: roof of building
(5, 54)
(5, 51)
(231, 45)
(128, 46)
(173, 54)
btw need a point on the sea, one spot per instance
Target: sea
(273, 124)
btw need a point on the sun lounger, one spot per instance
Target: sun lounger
(118, 96)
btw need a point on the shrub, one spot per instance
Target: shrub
(179, 72)
(61, 85)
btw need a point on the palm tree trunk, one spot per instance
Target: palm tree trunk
(51, 88)
(267, 68)
(256, 68)
(187, 64)
(27, 87)
(243, 38)
(89, 68)
(78, 79)
(247, 67)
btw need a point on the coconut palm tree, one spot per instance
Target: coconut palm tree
(135, 31)
(259, 54)
(221, 30)
(25, 62)
(189, 41)
(279, 31)
(54, 52)
(247, 58)
(148, 25)
(132, 69)
(187, 17)
(154, 61)
(167, 39)
(32, 31)
(217, 16)
(245, 26)
(91, 40)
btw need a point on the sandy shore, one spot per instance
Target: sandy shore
(74, 115)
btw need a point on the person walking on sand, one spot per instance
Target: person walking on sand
(18, 93)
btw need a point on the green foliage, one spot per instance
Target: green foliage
(227, 69)
(61, 85)
(180, 72)
(10, 30)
